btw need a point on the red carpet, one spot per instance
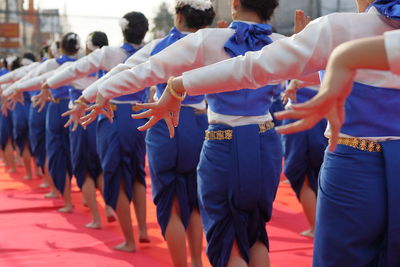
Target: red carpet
(33, 233)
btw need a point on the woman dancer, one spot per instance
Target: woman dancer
(358, 181)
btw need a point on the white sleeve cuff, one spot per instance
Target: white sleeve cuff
(392, 45)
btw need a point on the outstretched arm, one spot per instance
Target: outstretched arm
(366, 53)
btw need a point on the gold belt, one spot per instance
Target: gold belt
(228, 134)
(134, 107)
(361, 144)
(57, 100)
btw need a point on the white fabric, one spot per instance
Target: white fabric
(392, 45)
(198, 49)
(18, 73)
(140, 56)
(304, 53)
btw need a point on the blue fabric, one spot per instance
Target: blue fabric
(57, 144)
(62, 91)
(6, 129)
(245, 102)
(173, 36)
(136, 97)
(122, 151)
(84, 158)
(20, 118)
(358, 223)
(37, 134)
(173, 164)
(388, 8)
(3, 71)
(237, 183)
(304, 151)
(276, 104)
(371, 111)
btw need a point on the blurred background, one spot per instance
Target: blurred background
(26, 25)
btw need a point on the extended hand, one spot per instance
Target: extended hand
(102, 106)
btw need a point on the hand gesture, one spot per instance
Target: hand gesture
(102, 106)
(300, 21)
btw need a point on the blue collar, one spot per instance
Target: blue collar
(129, 49)
(247, 37)
(62, 59)
(388, 8)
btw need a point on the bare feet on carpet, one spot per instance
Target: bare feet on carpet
(144, 238)
(66, 209)
(27, 177)
(44, 185)
(126, 247)
(111, 217)
(308, 233)
(51, 194)
(93, 225)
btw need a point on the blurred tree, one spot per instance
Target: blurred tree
(163, 21)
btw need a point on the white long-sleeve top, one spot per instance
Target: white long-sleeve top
(105, 58)
(198, 49)
(289, 58)
(36, 82)
(304, 53)
(18, 74)
(392, 45)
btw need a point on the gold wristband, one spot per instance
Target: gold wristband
(171, 90)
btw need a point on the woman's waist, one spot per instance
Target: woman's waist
(235, 121)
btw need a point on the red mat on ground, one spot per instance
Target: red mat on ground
(33, 233)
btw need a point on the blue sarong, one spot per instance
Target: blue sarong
(20, 118)
(304, 154)
(173, 164)
(37, 134)
(57, 144)
(358, 221)
(6, 129)
(84, 158)
(237, 183)
(122, 151)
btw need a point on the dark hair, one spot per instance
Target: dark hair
(4, 61)
(44, 50)
(30, 56)
(98, 38)
(195, 18)
(70, 43)
(137, 27)
(15, 64)
(264, 8)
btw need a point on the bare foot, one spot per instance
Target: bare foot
(111, 217)
(51, 194)
(66, 209)
(93, 225)
(144, 237)
(44, 185)
(126, 247)
(308, 233)
(12, 170)
(286, 181)
(28, 177)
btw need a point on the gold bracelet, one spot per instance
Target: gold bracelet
(171, 90)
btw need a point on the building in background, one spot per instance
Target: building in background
(27, 29)
(283, 18)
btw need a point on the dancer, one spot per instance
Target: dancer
(173, 162)
(120, 146)
(357, 187)
(234, 220)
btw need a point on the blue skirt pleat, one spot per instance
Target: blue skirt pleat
(237, 183)
(20, 118)
(6, 129)
(358, 223)
(122, 151)
(37, 134)
(173, 164)
(304, 154)
(57, 144)
(84, 157)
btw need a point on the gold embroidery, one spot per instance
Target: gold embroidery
(361, 144)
